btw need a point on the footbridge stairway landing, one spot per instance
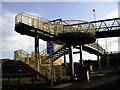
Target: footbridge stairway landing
(47, 30)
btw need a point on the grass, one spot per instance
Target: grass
(66, 77)
(93, 76)
(16, 80)
(25, 80)
(28, 80)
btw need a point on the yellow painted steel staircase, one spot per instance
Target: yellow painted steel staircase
(49, 29)
(40, 65)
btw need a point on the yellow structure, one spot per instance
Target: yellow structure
(55, 26)
(42, 64)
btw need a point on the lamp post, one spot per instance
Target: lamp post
(107, 54)
(99, 64)
(110, 47)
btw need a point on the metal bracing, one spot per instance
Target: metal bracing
(102, 25)
(108, 24)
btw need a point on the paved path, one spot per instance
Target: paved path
(106, 82)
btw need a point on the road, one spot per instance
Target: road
(105, 82)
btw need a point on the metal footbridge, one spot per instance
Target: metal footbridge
(104, 28)
(61, 32)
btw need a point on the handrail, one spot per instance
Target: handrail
(55, 26)
(96, 46)
(42, 68)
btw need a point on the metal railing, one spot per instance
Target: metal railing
(87, 27)
(103, 25)
(55, 26)
(107, 25)
(96, 47)
(42, 68)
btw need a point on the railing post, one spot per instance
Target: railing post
(38, 65)
(21, 17)
(54, 28)
(32, 21)
(28, 59)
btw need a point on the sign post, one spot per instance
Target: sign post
(50, 51)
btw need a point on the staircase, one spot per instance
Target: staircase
(43, 64)
(46, 30)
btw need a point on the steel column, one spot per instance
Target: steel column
(98, 58)
(81, 61)
(65, 63)
(37, 48)
(71, 63)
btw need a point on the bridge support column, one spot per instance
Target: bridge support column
(98, 58)
(81, 60)
(82, 75)
(71, 63)
(37, 48)
(65, 63)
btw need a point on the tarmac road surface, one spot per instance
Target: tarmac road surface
(106, 82)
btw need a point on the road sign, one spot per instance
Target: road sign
(50, 47)
(50, 50)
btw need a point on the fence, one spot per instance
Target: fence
(21, 78)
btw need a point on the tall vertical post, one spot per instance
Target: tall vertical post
(71, 62)
(65, 63)
(99, 64)
(50, 51)
(37, 47)
(51, 71)
(98, 58)
(81, 61)
(36, 42)
(107, 54)
(108, 64)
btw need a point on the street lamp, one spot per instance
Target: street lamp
(110, 47)
(107, 54)
(99, 64)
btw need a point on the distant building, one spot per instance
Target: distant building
(4, 60)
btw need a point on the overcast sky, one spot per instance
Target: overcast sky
(12, 40)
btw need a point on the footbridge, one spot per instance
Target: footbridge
(103, 28)
(27, 24)
(64, 34)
